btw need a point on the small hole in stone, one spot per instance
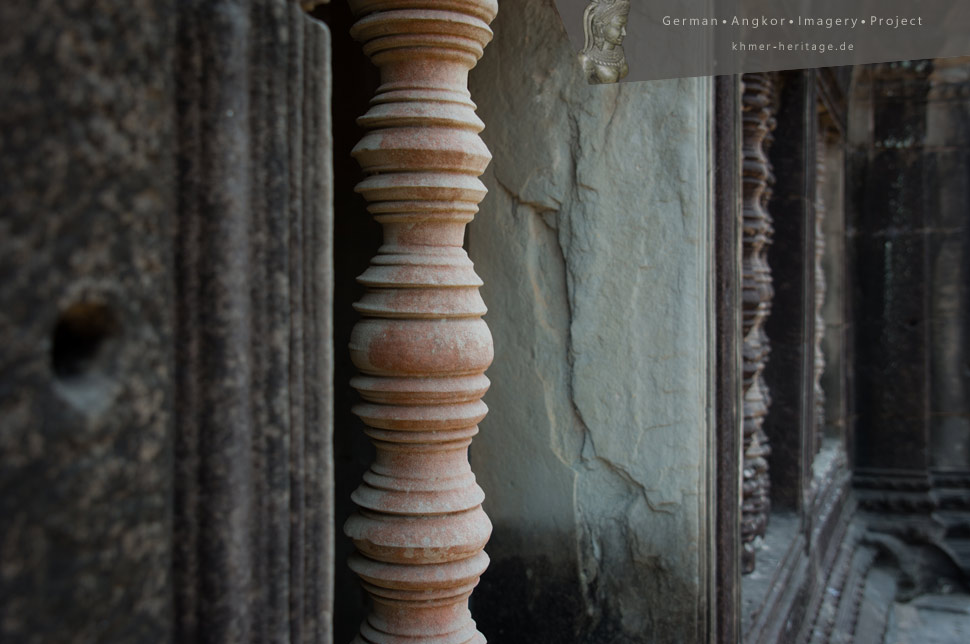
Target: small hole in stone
(79, 338)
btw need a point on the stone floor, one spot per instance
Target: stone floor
(931, 619)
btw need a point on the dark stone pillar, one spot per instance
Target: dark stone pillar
(946, 156)
(354, 81)
(253, 523)
(889, 243)
(165, 325)
(87, 203)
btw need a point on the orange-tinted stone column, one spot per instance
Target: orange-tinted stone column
(421, 347)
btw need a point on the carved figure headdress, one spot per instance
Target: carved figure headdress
(601, 12)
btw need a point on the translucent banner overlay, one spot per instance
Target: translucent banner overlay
(636, 40)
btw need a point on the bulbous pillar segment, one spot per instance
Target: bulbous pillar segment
(421, 347)
(756, 302)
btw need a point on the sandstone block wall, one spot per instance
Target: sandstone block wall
(594, 246)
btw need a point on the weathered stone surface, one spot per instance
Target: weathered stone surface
(593, 245)
(253, 516)
(86, 319)
(165, 468)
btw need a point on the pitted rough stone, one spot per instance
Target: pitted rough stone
(86, 316)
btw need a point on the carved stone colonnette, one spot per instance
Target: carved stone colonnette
(756, 297)
(820, 150)
(421, 347)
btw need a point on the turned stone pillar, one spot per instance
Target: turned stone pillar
(820, 151)
(421, 347)
(756, 298)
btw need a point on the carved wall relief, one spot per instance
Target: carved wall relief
(604, 27)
